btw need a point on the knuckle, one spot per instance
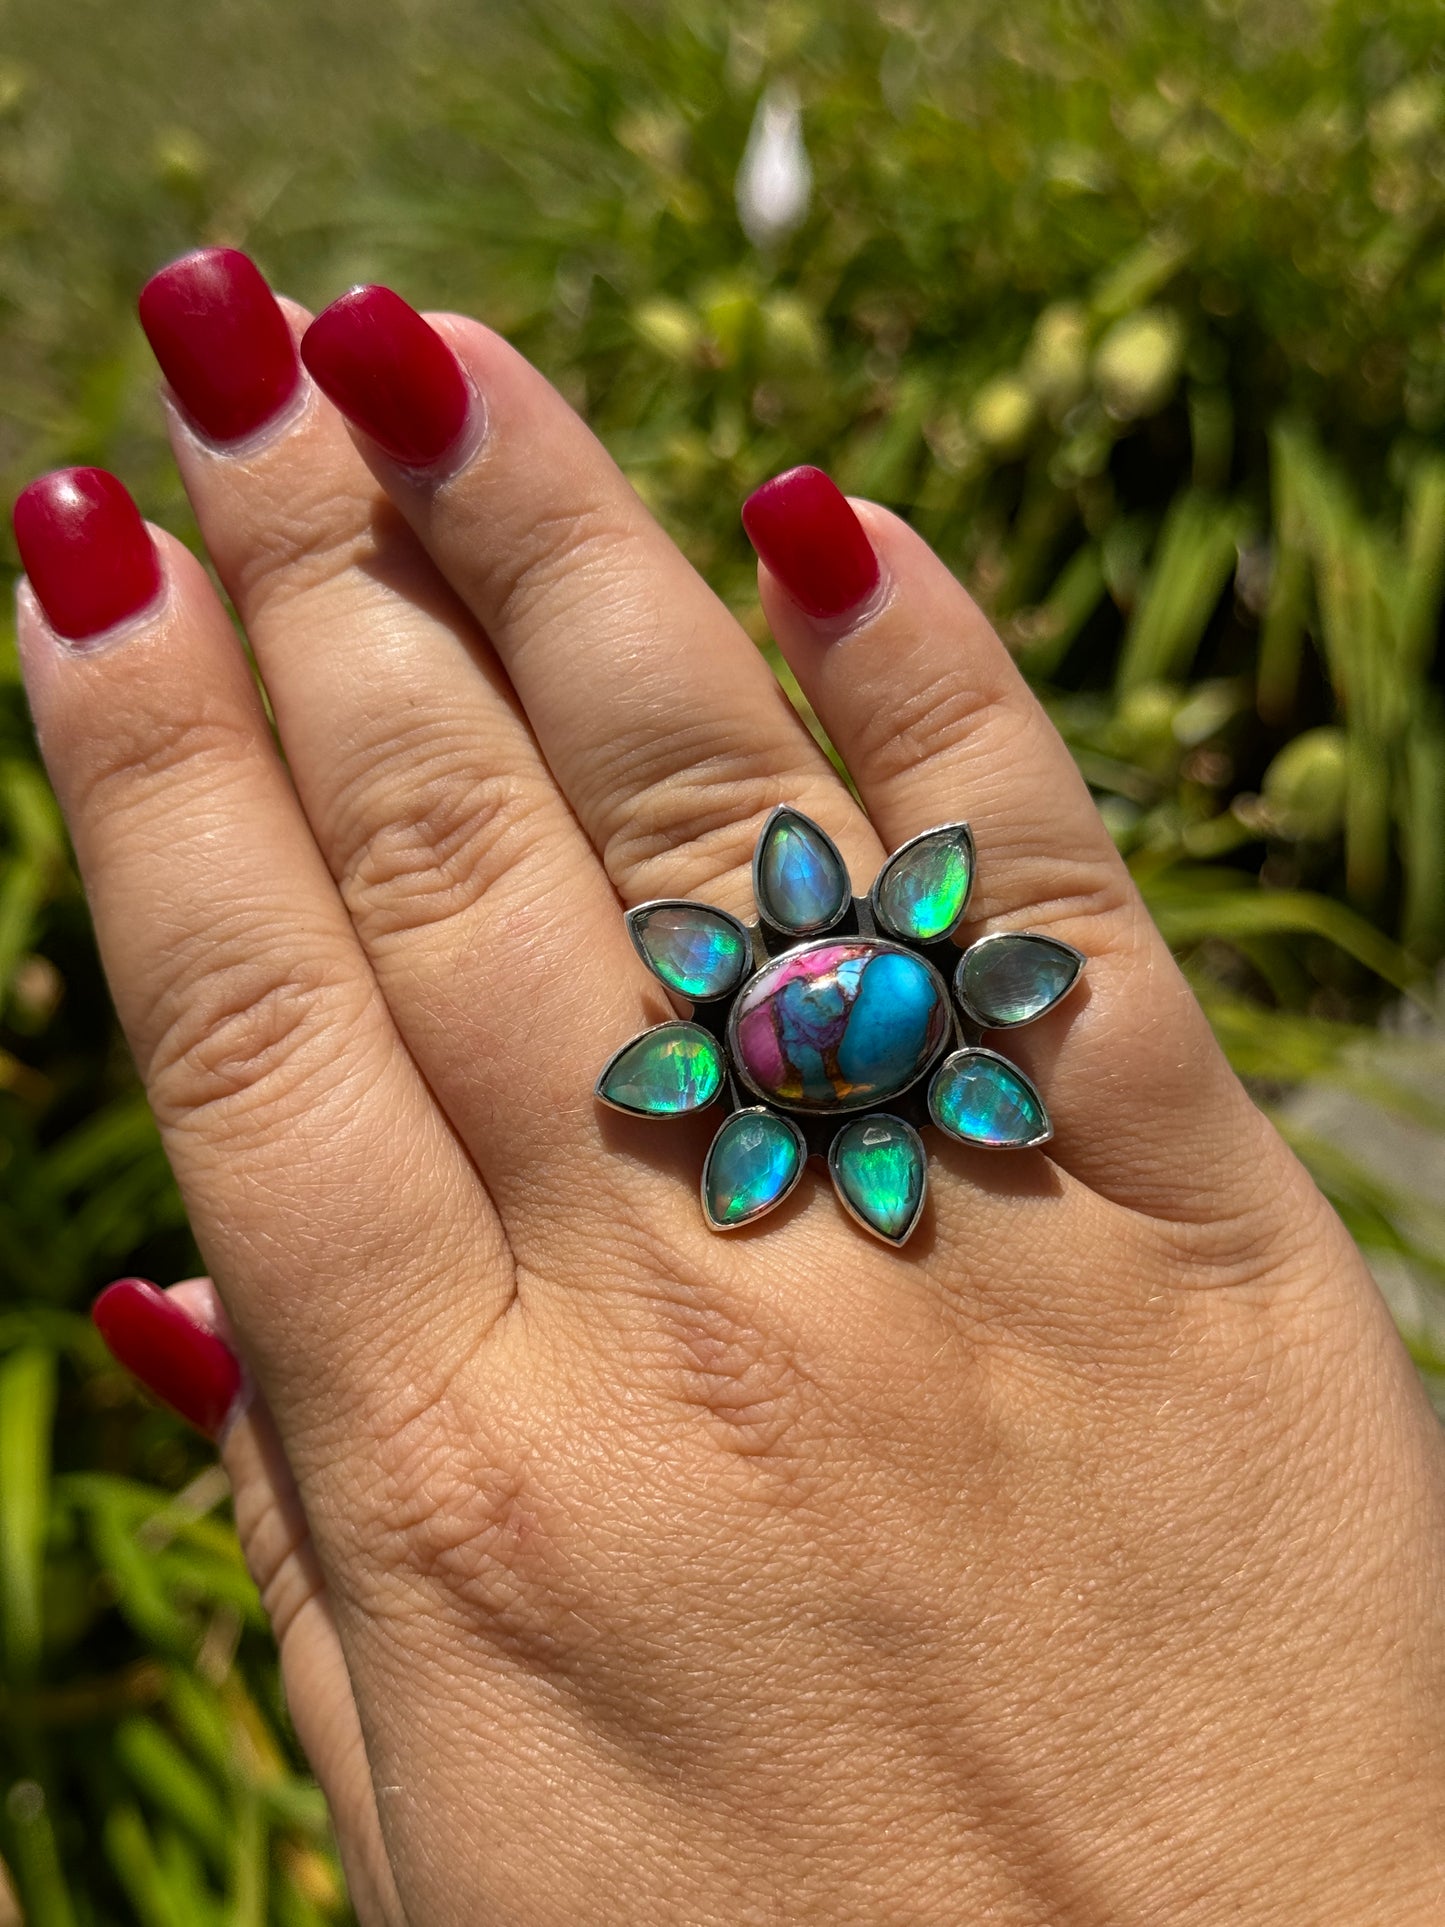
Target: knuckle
(688, 808)
(430, 843)
(279, 1557)
(132, 753)
(246, 1033)
(1090, 895)
(582, 551)
(312, 534)
(746, 1385)
(459, 1505)
(930, 722)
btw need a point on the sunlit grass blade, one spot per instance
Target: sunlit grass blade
(1187, 914)
(172, 1782)
(34, 1857)
(27, 1402)
(157, 1896)
(1193, 561)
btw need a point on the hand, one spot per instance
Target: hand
(1081, 1563)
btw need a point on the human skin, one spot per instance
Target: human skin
(1080, 1563)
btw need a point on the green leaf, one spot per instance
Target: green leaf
(172, 1782)
(27, 1402)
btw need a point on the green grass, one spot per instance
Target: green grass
(1139, 324)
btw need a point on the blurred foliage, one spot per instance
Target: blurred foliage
(1135, 311)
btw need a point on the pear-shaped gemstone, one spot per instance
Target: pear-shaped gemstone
(697, 951)
(922, 890)
(982, 1098)
(799, 879)
(1015, 977)
(880, 1172)
(755, 1160)
(664, 1072)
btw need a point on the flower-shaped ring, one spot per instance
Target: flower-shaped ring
(829, 1029)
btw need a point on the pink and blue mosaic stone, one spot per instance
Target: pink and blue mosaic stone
(837, 1026)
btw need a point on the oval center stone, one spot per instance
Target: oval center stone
(838, 1025)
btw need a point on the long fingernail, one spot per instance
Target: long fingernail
(183, 1364)
(222, 342)
(809, 538)
(88, 554)
(390, 373)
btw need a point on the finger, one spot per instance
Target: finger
(180, 1345)
(935, 724)
(267, 1051)
(466, 876)
(658, 717)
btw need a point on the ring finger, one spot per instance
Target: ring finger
(935, 722)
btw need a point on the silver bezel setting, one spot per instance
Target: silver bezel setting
(980, 1143)
(964, 835)
(793, 929)
(853, 1212)
(675, 1023)
(779, 1117)
(1076, 958)
(639, 912)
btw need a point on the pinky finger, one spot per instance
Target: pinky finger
(180, 1346)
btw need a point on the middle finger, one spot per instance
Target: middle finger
(661, 722)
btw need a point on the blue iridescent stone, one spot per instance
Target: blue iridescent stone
(799, 879)
(922, 890)
(982, 1098)
(838, 1025)
(664, 1072)
(697, 951)
(755, 1160)
(1013, 978)
(880, 1171)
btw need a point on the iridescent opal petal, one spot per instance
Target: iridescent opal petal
(838, 1025)
(666, 1071)
(922, 890)
(982, 1098)
(799, 879)
(1015, 977)
(697, 951)
(880, 1171)
(755, 1160)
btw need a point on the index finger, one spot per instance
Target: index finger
(268, 1054)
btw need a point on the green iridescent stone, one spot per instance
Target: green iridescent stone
(880, 1171)
(754, 1162)
(799, 879)
(664, 1072)
(1013, 978)
(981, 1098)
(922, 890)
(699, 952)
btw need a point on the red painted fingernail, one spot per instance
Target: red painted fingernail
(390, 373)
(89, 556)
(221, 340)
(186, 1366)
(810, 539)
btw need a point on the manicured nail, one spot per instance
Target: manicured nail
(183, 1364)
(810, 539)
(390, 373)
(89, 556)
(221, 340)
